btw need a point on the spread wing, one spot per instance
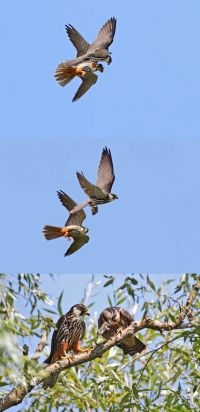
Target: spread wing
(78, 242)
(76, 218)
(89, 79)
(77, 40)
(105, 36)
(106, 175)
(91, 190)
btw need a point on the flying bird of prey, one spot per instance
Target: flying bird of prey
(73, 227)
(70, 330)
(88, 57)
(65, 74)
(111, 320)
(100, 193)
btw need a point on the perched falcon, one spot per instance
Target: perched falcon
(73, 227)
(100, 193)
(87, 58)
(69, 331)
(113, 319)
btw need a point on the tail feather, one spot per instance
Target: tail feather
(52, 232)
(131, 346)
(64, 74)
(50, 382)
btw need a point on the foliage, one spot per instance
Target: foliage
(164, 378)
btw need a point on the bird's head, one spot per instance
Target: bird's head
(113, 196)
(100, 67)
(79, 311)
(84, 230)
(108, 59)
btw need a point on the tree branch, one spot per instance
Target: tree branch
(17, 395)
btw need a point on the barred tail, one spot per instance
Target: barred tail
(131, 348)
(64, 74)
(52, 232)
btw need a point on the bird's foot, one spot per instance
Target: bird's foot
(70, 358)
(82, 350)
(94, 210)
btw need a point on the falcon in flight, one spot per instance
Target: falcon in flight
(111, 320)
(73, 227)
(100, 193)
(88, 57)
(70, 330)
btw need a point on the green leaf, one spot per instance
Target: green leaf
(59, 303)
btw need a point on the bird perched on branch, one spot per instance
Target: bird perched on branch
(88, 57)
(100, 193)
(111, 320)
(70, 330)
(73, 227)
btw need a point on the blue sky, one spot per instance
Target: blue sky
(144, 107)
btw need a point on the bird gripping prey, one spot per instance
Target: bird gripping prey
(88, 57)
(73, 227)
(70, 330)
(100, 193)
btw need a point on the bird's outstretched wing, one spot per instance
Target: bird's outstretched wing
(106, 175)
(87, 81)
(77, 40)
(76, 218)
(78, 242)
(105, 36)
(91, 190)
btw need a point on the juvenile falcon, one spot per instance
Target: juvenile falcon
(86, 62)
(100, 193)
(73, 227)
(70, 330)
(113, 319)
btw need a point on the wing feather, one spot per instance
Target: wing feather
(89, 80)
(78, 242)
(105, 36)
(77, 40)
(106, 175)
(91, 190)
(76, 218)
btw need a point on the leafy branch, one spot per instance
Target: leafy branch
(17, 395)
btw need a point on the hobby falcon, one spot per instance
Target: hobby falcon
(99, 193)
(73, 227)
(111, 320)
(87, 59)
(64, 74)
(70, 330)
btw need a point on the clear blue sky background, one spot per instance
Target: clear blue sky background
(145, 107)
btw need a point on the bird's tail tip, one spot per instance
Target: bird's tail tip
(64, 74)
(52, 232)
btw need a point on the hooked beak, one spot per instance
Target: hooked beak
(109, 59)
